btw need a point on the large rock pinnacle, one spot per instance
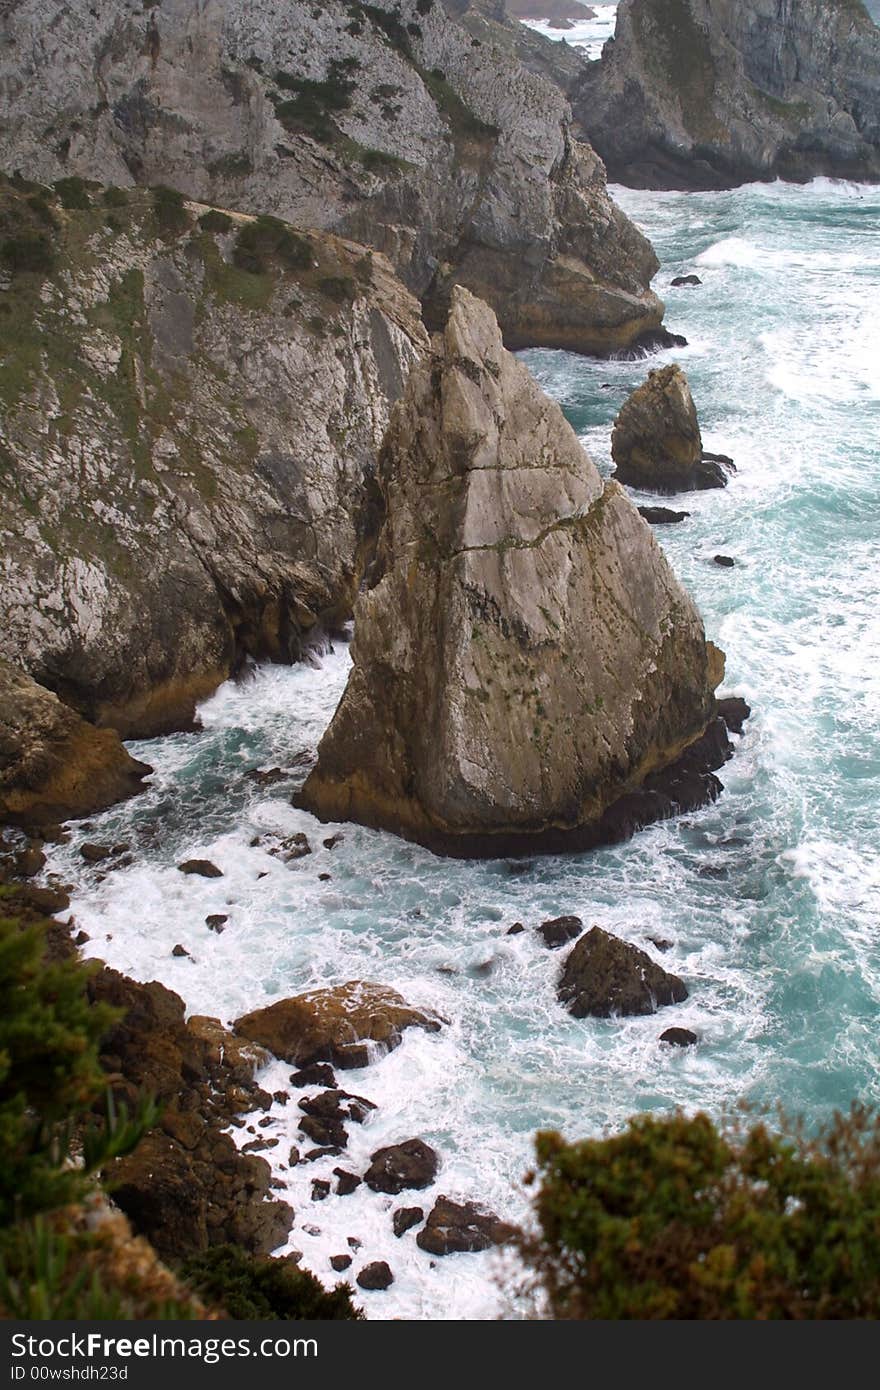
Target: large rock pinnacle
(527, 658)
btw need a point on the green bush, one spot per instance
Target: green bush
(269, 238)
(215, 221)
(677, 1218)
(115, 197)
(340, 288)
(73, 194)
(170, 209)
(253, 1288)
(311, 108)
(28, 251)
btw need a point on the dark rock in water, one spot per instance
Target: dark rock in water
(347, 1182)
(685, 280)
(400, 1166)
(375, 1276)
(662, 516)
(734, 711)
(203, 868)
(216, 922)
(660, 943)
(324, 878)
(685, 785)
(327, 1133)
(340, 1262)
(711, 470)
(258, 1146)
(269, 778)
(646, 344)
(333, 841)
(559, 931)
(457, 1227)
(30, 861)
(94, 854)
(515, 929)
(405, 1218)
(181, 951)
(81, 938)
(293, 1157)
(725, 561)
(338, 1105)
(320, 1189)
(679, 1037)
(293, 848)
(317, 1074)
(354, 1243)
(483, 968)
(323, 1151)
(604, 976)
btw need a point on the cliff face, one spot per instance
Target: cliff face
(710, 93)
(528, 658)
(190, 420)
(392, 124)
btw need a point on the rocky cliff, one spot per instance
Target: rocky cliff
(527, 657)
(389, 122)
(711, 93)
(191, 409)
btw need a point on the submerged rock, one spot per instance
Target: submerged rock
(604, 976)
(656, 442)
(346, 1025)
(527, 656)
(457, 1227)
(53, 765)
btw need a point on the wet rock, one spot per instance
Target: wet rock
(397, 1167)
(327, 1133)
(660, 943)
(681, 280)
(457, 1227)
(94, 854)
(734, 711)
(662, 516)
(516, 929)
(323, 1151)
(725, 561)
(293, 1156)
(324, 878)
(346, 1025)
(405, 1218)
(679, 1037)
(375, 1276)
(49, 900)
(281, 1097)
(30, 861)
(320, 1189)
(81, 938)
(647, 343)
(333, 840)
(558, 931)
(179, 950)
(346, 1182)
(216, 922)
(202, 868)
(293, 848)
(604, 976)
(684, 785)
(354, 1243)
(258, 1146)
(340, 1262)
(270, 778)
(338, 1105)
(316, 1074)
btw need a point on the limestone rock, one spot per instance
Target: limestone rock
(186, 448)
(53, 765)
(391, 124)
(527, 656)
(347, 1025)
(603, 976)
(712, 93)
(458, 1227)
(656, 442)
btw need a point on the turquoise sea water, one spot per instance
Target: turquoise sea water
(771, 898)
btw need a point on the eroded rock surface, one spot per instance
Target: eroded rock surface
(604, 976)
(527, 657)
(656, 442)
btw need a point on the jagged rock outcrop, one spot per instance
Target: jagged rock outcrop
(604, 976)
(712, 93)
(348, 1025)
(527, 657)
(53, 765)
(386, 122)
(191, 411)
(656, 442)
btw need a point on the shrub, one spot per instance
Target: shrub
(677, 1218)
(251, 1287)
(170, 210)
(115, 197)
(340, 288)
(266, 238)
(28, 251)
(73, 194)
(215, 221)
(310, 110)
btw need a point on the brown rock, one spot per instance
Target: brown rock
(94, 854)
(679, 1037)
(345, 1025)
(203, 868)
(400, 1166)
(340, 1262)
(456, 1227)
(604, 976)
(656, 442)
(405, 1218)
(559, 931)
(375, 1276)
(347, 1182)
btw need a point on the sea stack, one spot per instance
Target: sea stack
(656, 442)
(526, 658)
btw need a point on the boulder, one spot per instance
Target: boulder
(53, 764)
(526, 655)
(679, 1037)
(682, 280)
(340, 1262)
(405, 1218)
(457, 1227)
(347, 1025)
(559, 931)
(375, 1276)
(662, 516)
(400, 1166)
(734, 711)
(656, 442)
(604, 976)
(200, 868)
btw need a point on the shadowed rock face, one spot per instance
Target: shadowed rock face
(186, 448)
(527, 657)
(712, 93)
(388, 123)
(53, 765)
